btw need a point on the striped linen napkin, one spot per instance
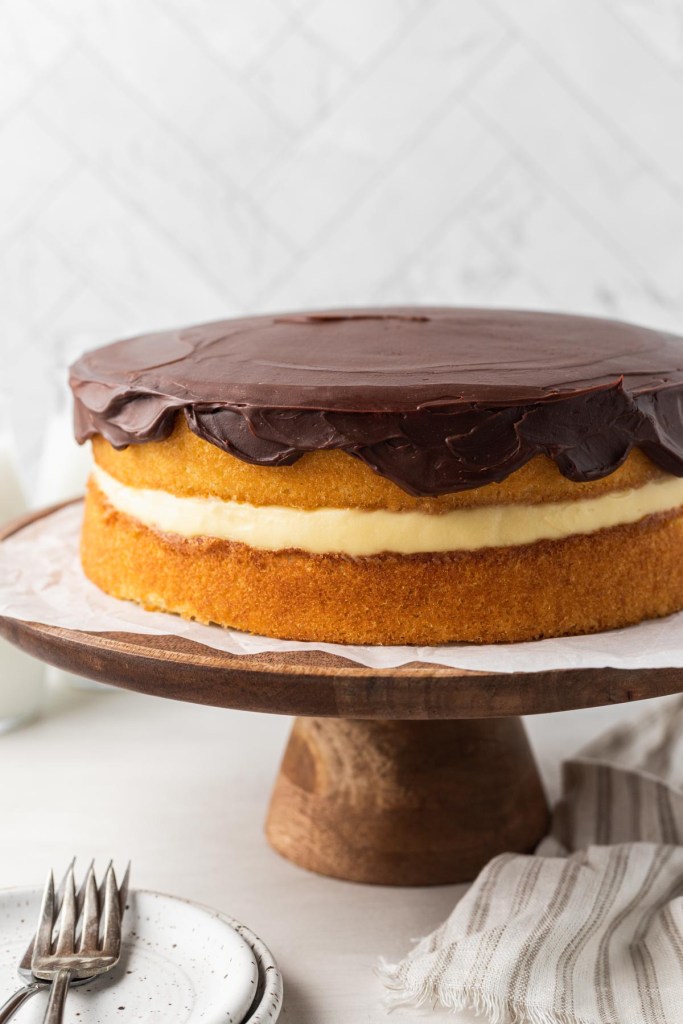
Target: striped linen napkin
(589, 930)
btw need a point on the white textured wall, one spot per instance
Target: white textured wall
(168, 161)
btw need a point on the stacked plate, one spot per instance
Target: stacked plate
(181, 963)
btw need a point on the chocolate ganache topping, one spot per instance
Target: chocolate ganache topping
(436, 400)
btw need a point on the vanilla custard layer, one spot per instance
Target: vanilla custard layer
(358, 532)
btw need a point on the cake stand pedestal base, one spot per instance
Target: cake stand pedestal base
(408, 802)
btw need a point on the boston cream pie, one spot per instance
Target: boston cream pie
(389, 475)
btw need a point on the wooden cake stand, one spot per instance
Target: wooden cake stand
(408, 776)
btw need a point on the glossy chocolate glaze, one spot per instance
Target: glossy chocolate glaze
(437, 400)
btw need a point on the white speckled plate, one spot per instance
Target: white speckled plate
(181, 964)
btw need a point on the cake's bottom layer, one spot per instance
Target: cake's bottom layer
(582, 584)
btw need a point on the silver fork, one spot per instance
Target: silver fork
(31, 985)
(70, 959)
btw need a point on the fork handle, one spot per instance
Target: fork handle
(58, 990)
(8, 1009)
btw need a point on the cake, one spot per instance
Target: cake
(389, 476)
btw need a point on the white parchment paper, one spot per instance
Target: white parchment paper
(41, 581)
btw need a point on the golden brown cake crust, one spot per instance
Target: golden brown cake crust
(188, 466)
(582, 584)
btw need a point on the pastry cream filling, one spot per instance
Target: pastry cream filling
(359, 532)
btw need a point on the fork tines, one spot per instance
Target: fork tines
(84, 931)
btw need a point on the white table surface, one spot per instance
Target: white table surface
(182, 790)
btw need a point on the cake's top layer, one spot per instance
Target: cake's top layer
(436, 400)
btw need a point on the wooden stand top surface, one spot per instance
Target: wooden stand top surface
(322, 685)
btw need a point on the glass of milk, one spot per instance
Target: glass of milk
(22, 678)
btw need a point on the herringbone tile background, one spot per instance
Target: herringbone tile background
(168, 161)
